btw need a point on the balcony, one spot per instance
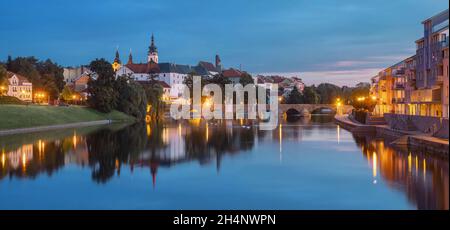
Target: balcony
(398, 86)
(398, 100)
(439, 79)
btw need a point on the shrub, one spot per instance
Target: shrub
(11, 100)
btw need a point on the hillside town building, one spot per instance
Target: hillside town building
(418, 85)
(19, 87)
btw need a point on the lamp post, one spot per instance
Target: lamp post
(338, 106)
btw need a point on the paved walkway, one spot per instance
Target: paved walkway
(52, 127)
(415, 138)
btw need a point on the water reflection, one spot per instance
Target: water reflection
(422, 176)
(109, 150)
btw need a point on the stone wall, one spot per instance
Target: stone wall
(435, 126)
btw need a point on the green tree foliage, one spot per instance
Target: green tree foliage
(360, 98)
(189, 81)
(310, 96)
(246, 79)
(132, 98)
(103, 95)
(52, 77)
(361, 91)
(295, 97)
(3, 79)
(154, 93)
(66, 94)
(45, 75)
(328, 93)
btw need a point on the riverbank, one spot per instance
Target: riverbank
(32, 118)
(411, 138)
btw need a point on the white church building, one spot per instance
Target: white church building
(170, 73)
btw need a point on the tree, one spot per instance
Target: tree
(328, 93)
(52, 77)
(361, 91)
(154, 93)
(189, 81)
(44, 75)
(66, 94)
(132, 99)
(3, 80)
(295, 97)
(103, 96)
(246, 79)
(221, 81)
(310, 96)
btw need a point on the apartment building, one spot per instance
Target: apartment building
(418, 85)
(429, 66)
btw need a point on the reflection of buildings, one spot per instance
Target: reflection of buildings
(79, 153)
(422, 177)
(18, 157)
(31, 159)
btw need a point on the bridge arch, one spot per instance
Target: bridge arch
(306, 109)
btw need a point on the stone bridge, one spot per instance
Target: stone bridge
(306, 109)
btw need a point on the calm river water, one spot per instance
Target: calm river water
(306, 164)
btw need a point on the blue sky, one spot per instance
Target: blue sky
(338, 41)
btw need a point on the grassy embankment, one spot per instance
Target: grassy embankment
(25, 116)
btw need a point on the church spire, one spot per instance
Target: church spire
(130, 58)
(117, 59)
(218, 63)
(152, 48)
(152, 51)
(117, 63)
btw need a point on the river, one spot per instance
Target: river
(303, 164)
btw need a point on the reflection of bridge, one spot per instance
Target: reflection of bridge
(305, 109)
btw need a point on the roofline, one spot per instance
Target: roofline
(420, 39)
(435, 16)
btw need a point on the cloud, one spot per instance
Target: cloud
(354, 63)
(337, 77)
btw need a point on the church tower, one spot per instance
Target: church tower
(218, 63)
(117, 63)
(152, 52)
(130, 58)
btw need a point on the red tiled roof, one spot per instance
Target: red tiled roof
(277, 79)
(144, 67)
(232, 73)
(208, 66)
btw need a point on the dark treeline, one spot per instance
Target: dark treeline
(327, 93)
(45, 75)
(107, 93)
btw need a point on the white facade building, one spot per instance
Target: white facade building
(19, 87)
(172, 74)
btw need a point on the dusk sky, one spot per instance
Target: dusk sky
(342, 42)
